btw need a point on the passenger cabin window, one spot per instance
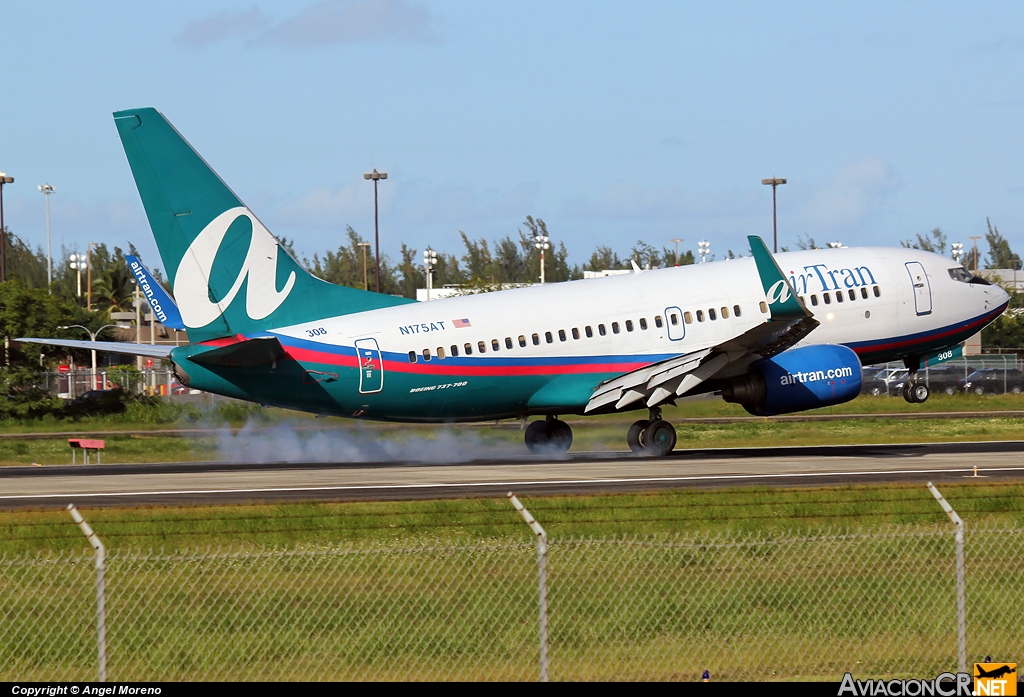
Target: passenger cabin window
(643, 323)
(536, 340)
(440, 353)
(615, 327)
(827, 298)
(688, 317)
(468, 348)
(426, 354)
(878, 293)
(839, 296)
(764, 307)
(700, 315)
(575, 333)
(711, 314)
(657, 322)
(481, 347)
(522, 341)
(561, 335)
(736, 311)
(601, 330)
(863, 292)
(548, 338)
(455, 351)
(853, 294)
(629, 325)
(495, 346)
(673, 318)
(725, 313)
(412, 356)
(508, 342)
(589, 331)
(814, 300)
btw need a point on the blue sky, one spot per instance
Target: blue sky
(611, 121)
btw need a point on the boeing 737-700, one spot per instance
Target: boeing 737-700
(776, 334)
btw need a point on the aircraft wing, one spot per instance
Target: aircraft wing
(789, 321)
(153, 351)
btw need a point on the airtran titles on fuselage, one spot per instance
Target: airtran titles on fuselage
(423, 327)
(820, 278)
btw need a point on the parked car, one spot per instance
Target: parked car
(97, 402)
(939, 379)
(872, 385)
(994, 381)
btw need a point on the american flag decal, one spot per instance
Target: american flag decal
(460, 323)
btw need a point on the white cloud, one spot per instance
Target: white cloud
(221, 26)
(351, 21)
(628, 201)
(855, 193)
(326, 23)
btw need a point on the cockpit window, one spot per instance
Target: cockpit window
(961, 274)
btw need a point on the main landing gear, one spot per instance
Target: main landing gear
(550, 436)
(914, 391)
(653, 436)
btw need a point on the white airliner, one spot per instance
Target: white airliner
(775, 334)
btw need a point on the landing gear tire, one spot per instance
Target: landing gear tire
(635, 435)
(548, 437)
(919, 391)
(659, 438)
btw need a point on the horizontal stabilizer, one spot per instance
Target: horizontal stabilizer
(150, 350)
(243, 354)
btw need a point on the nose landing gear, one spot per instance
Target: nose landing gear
(550, 436)
(653, 436)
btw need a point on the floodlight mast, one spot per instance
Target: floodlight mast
(48, 189)
(774, 182)
(376, 176)
(4, 179)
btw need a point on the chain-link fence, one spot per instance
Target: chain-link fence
(876, 603)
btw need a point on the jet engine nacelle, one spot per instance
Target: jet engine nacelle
(798, 379)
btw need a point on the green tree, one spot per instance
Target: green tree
(1000, 256)
(935, 242)
(604, 257)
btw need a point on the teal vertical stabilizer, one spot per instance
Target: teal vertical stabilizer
(783, 303)
(229, 275)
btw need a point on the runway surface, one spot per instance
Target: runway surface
(195, 483)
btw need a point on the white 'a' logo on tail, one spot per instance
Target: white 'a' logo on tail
(192, 280)
(778, 293)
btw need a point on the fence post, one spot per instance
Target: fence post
(961, 581)
(101, 604)
(542, 581)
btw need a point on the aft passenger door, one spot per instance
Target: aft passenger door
(922, 288)
(371, 367)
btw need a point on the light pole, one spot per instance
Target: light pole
(975, 238)
(4, 179)
(88, 262)
(542, 242)
(676, 241)
(956, 250)
(429, 262)
(775, 183)
(92, 337)
(364, 245)
(77, 263)
(705, 248)
(47, 189)
(376, 177)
